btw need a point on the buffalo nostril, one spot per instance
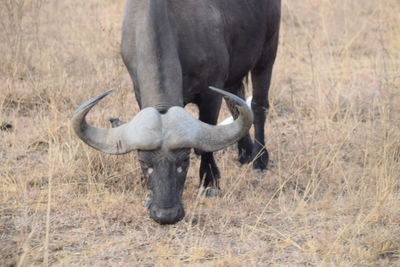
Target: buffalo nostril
(167, 216)
(161, 214)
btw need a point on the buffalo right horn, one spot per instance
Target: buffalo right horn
(142, 132)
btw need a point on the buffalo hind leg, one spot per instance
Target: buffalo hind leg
(245, 145)
(261, 79)
(209, 176)
(209, 173)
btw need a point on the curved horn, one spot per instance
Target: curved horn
(142, 132)
(182, 130)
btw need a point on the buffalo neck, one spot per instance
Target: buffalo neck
(159, 72)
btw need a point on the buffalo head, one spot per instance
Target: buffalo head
(163, 142)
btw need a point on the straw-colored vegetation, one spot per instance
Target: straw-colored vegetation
(332, 197)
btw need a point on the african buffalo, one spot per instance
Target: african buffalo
(174, 50)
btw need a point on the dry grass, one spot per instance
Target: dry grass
(332, 197)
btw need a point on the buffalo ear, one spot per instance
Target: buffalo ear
(115, 122)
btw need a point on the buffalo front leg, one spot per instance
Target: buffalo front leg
(209, 173)
(261, 78)
(260, 105)
(245, 145)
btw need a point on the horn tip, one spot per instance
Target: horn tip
(219, 91)
(214, 89)
(92, 101)
(229, 95)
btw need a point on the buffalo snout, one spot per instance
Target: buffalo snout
(167, 215)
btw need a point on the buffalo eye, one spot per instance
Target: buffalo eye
(150, 171)
(146, 166)
(179, 169)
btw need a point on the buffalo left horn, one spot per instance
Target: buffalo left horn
(182, 130)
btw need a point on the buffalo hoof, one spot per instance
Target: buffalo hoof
(212, 192)
(245, 159)
(260, 171)
(209, 192)
(261, 160)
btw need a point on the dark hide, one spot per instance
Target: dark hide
(174, 50)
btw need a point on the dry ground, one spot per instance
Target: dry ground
(332, 197)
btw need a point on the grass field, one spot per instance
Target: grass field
(331, 198)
